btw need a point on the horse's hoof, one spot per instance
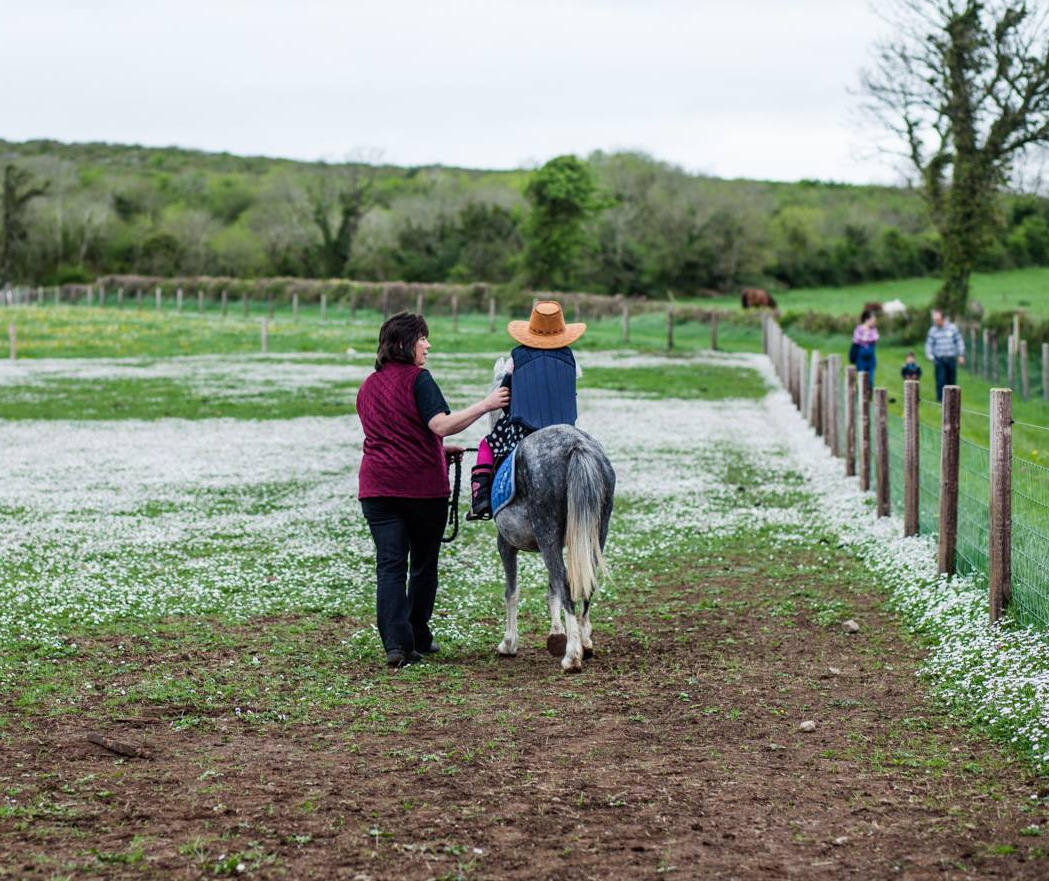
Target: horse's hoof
(588, 652)
(556, 643)
(505, 651)
(572, 667)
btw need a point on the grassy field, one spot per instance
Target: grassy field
(186, 571)
(92, 332)
(997, 292)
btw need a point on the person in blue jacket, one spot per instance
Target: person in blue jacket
(541, 373)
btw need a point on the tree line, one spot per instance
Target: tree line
(622, 223)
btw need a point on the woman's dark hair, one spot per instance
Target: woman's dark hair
(397, 339)
(867, 313)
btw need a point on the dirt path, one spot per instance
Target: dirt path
(677, 752)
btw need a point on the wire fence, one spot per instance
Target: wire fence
(1029, 484)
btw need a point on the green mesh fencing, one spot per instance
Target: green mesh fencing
(929, 443)
(1031, 541)
(895, 465)
(974, 494)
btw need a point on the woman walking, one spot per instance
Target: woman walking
(864, 339)
(403, 481)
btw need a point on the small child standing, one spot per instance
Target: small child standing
(911, 369)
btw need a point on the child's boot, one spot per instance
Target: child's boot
(480, 493)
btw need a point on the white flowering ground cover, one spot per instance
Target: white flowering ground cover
(111, 525)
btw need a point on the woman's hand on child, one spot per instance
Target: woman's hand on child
(498, 399)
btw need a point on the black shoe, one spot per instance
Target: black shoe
(398, 658)
(432, 649)
(480, 493)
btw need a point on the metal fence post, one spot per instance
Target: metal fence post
(1025, 386)
(949, 450)
(911, 464)
(999, 558)
(881, 451)
(1045, 371)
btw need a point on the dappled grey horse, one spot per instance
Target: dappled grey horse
(561, 508)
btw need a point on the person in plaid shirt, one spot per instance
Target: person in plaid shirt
(945, 347)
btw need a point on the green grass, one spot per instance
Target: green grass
(158, 398)
(706, 381)
(997, 292)
(93, 332)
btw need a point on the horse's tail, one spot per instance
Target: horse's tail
(586, 496)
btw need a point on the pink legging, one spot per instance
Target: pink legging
(484, 453)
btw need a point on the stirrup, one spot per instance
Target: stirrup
(484, 515)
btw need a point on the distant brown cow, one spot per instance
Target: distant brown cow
(756, 298)
(874, 306)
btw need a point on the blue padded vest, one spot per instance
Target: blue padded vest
(543, 387)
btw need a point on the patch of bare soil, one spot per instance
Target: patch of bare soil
(677, 752)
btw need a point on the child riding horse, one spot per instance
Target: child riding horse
(541, 374)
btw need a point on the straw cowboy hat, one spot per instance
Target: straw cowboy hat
(546, 329)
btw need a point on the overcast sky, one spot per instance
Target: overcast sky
(734, 88)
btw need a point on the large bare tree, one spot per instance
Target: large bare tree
(963, 86)
(17, 192)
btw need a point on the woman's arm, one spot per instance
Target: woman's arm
(445, 424)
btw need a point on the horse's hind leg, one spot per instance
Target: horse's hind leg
(584, 631)
(564, 639)
(508, 554)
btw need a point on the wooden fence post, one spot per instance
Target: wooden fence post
(270, 307)
(244, 303)
(999, 558)
(385, 302)
(178, 301)
(985, 363)
(455, 313)
(626, 323)
(670, 327)
(491, 314)
(1025, 386)
(138, 298)
(973, 364)
(295, 306)
(881, 450)
(821, 400)
(812, 409)
(850, 421)
(865, 430)
(324, 307)
(158, 296)
(225, 302)
(89, 296)
(12, 342)
(714, 332)
(120, 298)
(949, 457)
(353, 306)
(911, 465)
(58, 294)
(420, 302)
(994, 357)
(101, 296)
(265, 335)
(834, 403)
(200, 301)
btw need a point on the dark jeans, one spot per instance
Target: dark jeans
(403, 530)
(946, 374)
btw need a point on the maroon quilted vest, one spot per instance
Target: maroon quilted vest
(402, 457)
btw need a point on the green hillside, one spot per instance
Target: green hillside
(117, 209)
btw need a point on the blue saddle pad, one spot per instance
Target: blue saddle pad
(503, 485)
